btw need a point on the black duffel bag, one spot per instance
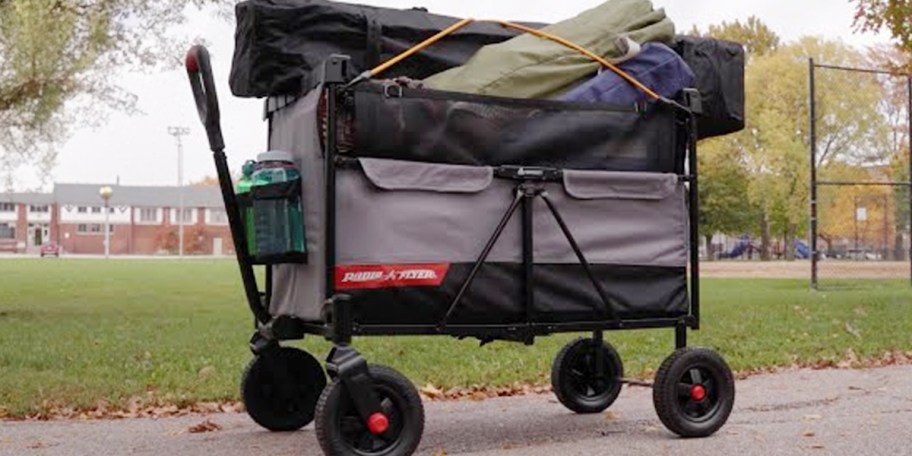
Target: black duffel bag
(719, 69)
(279, 43)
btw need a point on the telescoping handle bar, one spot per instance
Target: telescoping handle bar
(200, 72)
(201, 82)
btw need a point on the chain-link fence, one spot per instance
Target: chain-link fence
(860, 180)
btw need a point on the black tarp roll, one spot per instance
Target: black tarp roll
(278, 43)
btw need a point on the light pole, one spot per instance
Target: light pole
(105, 193)
(178, 132)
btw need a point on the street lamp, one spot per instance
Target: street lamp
(177, 132)
(105, 193)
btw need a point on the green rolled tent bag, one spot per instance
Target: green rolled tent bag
(531, 67)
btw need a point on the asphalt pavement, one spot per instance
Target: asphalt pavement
(829, 412)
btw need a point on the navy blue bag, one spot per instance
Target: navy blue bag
(657, 66)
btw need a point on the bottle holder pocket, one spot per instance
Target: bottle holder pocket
(273, 222)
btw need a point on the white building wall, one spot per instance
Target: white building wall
(38, 217)
(137, 216)
(10, 216)
(69, 213)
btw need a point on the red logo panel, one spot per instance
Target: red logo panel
(357, 277)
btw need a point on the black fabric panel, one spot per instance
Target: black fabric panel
(279, 43)
(563, 293)
(719, 68)
(445, 127)
(278, 190)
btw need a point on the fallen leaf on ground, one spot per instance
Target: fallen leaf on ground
(855, 388)
(205, 426)
(812, 417)
(611, 416)
(432, 392)
(439, 453)
(37, 445)
(808, 433)
(817, 446)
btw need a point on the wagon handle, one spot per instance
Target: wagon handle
(200, 72)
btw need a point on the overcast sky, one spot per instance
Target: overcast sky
(138, 150)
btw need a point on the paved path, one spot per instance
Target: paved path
(866, 412)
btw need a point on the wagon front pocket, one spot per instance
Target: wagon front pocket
(411, 232)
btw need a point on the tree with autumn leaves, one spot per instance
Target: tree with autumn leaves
(757, 181)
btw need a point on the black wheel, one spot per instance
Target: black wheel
(342, 432)
(280, 388)
(575, 380)
(694, 392)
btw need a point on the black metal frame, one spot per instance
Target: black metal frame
(342, 326)
(815, 183)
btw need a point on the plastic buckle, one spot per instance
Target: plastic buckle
(693, 100)
(388, 91)
(528, 173)
(334, 69)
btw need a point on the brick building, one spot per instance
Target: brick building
(143, 220)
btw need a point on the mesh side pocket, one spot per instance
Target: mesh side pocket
(444, 127)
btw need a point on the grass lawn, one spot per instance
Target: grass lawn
(73, 332)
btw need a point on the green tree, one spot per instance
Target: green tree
(894, 106)
(756, 37)
(58, 59)
(724, 205)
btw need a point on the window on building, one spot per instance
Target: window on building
(82, 209)
(218, 217)
(7, 207)
(7, 231)
(39, 208)
(185, 217)
(92, 228)
(96, 210)
(148, 215)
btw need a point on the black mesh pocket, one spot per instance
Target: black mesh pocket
(432, 126)
(273, 223)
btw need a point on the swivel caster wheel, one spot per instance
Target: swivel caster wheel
(694, 392)
(280, 388)
(396, 431)
(576, 381)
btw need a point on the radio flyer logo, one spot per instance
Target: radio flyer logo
(356, 277)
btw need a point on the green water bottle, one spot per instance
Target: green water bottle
(279, 219)
(244, 184)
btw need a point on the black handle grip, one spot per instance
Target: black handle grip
(200, 72)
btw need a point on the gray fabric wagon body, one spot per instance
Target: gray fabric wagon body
(410, 225)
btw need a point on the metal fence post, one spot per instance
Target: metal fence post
(813, 143)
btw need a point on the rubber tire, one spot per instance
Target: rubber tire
(563, 385)
(335, 403)
(256, 387)
(664, 392)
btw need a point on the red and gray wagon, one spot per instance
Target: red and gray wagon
(438, 213)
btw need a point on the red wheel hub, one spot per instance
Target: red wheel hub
(697, 393)
(378, 423)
